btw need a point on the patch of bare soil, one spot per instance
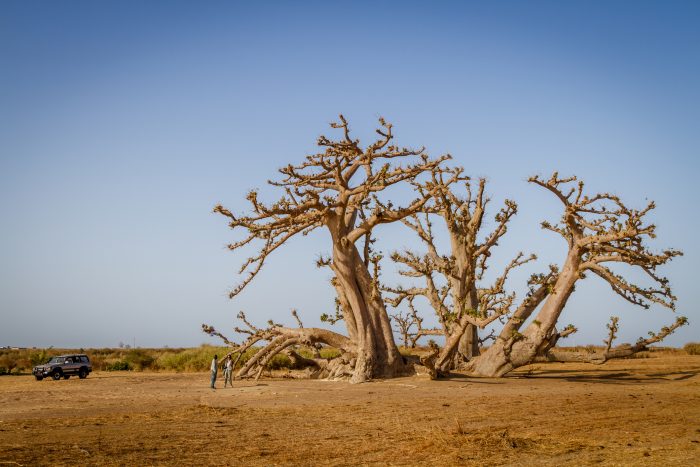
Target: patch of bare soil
(627, 412)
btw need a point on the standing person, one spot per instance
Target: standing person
(214, 369)
(228, 369)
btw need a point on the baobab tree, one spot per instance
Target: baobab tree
(339, 189)
(452, 282)
(600, 230)
(410, 325)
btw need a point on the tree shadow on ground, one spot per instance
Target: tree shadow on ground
(471, 379)
(608, 377)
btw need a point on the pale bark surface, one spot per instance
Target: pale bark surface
(339, 189)
(624, 350)
(453, 282)
(600, 230)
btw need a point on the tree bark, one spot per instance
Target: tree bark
(513, 349)
(461, 333)
(468, 344)
(376, 353)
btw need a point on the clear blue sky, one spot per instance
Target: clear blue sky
(123, 123)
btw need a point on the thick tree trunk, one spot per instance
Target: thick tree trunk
(469, 344)
(463, 338)
(463, 343)
(621, 351)
(494, 362)
(377, 355)
(512, 349)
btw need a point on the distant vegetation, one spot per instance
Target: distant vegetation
(199, 358)
(140, 359)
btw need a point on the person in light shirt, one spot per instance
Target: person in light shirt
(214, 369)
(228, 369)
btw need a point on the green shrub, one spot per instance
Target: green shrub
(139, 359)
(8, 361)
(278, 362)
(196, 359)
(176, 361)
(119, 365)
(692, 348)
(39, 357)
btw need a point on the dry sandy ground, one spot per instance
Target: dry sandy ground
(629, 412)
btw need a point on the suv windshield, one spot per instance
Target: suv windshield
(57, 360)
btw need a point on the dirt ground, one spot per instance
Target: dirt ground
(626, 412)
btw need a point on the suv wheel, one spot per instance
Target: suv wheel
(56, 375)
(82, 374)
(39, 377)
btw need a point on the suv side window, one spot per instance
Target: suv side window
(84, 359)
